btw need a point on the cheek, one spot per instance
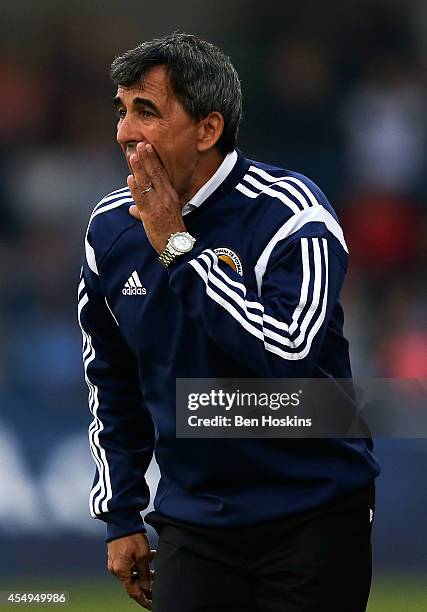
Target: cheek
(184, 146)
(176, 148)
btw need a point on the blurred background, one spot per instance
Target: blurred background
(336, 90)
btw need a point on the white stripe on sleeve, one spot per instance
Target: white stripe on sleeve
(274, 193)
(247, 319)
(99, 209)
(101, 492)
(295, 223)
(278, 179)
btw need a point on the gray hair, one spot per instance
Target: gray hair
(201, 76)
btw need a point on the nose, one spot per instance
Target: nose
(127, 131)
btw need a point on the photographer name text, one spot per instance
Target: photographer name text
(239, 421)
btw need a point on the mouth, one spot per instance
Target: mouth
(130, 150)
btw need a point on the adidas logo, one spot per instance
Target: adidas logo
(133, 285)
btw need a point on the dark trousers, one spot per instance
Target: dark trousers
(319, 561)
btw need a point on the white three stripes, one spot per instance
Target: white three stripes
(133, 280)
(101, 492)
(256, 323)
(307, 210)
(304, 200)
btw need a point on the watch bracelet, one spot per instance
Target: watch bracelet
(167, 257)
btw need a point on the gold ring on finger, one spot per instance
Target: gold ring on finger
(147, 189)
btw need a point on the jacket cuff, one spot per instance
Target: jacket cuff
(181, 260)
(120, 524)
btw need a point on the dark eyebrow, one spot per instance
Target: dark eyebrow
(117, 101)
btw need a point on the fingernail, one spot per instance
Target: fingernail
(148, 148)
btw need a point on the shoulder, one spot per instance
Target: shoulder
(109, 219)
(289, 191)
(287, 205)
(110, 207)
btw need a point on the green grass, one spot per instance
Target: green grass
(388, 594)
(398, 594)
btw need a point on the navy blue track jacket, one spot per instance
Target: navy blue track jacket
(270, 310)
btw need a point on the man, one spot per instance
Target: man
(212, 265)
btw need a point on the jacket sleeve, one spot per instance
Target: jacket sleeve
(121, 433)
(278, 330)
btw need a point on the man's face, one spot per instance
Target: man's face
(151, 113)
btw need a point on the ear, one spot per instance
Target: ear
(209, 131)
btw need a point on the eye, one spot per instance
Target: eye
(121, 113)
(147, 113)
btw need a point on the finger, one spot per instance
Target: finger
(133, 187)
(144, 575)
(121, 571)
(134, 590)
(153, 167)
(137, 196)
(138, 171)
(136, 572)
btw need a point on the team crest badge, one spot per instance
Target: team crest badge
(230, 258)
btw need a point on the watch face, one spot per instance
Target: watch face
(181, 243)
